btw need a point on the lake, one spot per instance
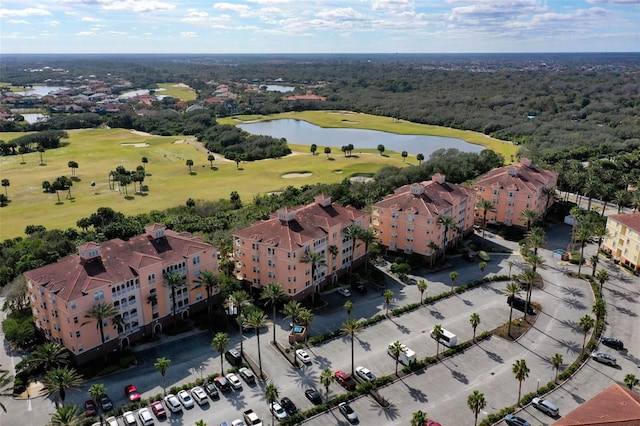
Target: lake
(278, 88)
(303, 133)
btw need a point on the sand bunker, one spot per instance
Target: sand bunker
(361, 179)
(350, 122)
(137, 145)
(296, 175)
(179, 141)
(139, 133)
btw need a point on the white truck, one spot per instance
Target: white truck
(251, 418)
(406, 357)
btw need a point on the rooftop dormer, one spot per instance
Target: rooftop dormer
(323, 200)
(89, 251)
(438, 178)
(417, 189)
(286, 215)
(155, 231)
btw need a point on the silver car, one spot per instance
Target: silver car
(549, 408)
(604, 358)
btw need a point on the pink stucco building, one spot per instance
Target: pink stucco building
(272, 250)
(128, 274)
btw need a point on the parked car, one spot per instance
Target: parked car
(359, 287)
(172, 403)
(199, 395)
(278, 411)
(90, 408)
(129, 419)
(512, 420)
(484, 256)
(345, 379)
(158, 409)
(222, 383)
(185, 399)
(365, 374)
(313, 396)
(234, 380)
(238, 422)
(348, 412)
(111, 421)
(247, 375)
(105, 403)
(132, 393)
(468, 257)
(412, 281)
(144, 414)
(613, 343)
(344, 291)
(549, 408)
(303, 356)
(519, 304)
(211, 390)
(604, 358)
(433, 423)
(289, 406)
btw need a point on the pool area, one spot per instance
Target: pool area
(298, 329)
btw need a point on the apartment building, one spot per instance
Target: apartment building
(623, 239)
(513, 189)
(129, 275)
(272, 250)
(408, 219)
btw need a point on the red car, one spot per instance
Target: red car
(90, 408)
(132, 393)
(345, 379)
(433, 423)
(158, 409)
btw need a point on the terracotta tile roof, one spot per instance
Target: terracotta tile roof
(309, 223)
(119, 260)
(614, 406)
(521, 177)
(630, 220)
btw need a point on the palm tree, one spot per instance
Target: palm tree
(476, 403)
(512, 290)
(352, 231)
(388, 296)
(240, 300)
(368, 237)
(333, 251)
(257, 319)
(144, 162)
(483, 266)
(305, 317)
(173, 280)
(6, 386)
(437, 334)
(315, 259)
(474, 319)
(521, 371)
(452, 276)
(529, 216)
(100, 313)
(326, 378)
(313, 148)
(273, 293)
(434, 247)
(486, 206)
(599, 308)
(535, 239)
(348, 306)
(396, 350)
(73, 166)
(548, 193)
(380, 149)
(511, 265)
(590, 187)
(448, 223)
(40, 149)
(422, 287)
(97, 391)
(50, 355)
(189, 164)
(528, 278)
(419, 418)
(630, 380)
(291, 310)
(211, 159)
(58, 381)
(404, 155)
(586, 324)
(271, 394)
(220, 343)
(210, 281)
(556, 360)
(350, 328)
(201, 422)
(6, 183)
(162, 365)
(420, 158)
(583, 232)
(67, 415)
(602, 276)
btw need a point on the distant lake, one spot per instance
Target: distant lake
(278, 88)
(41, 90)
(139, 92)
(303, 133)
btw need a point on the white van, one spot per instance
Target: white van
(447, 338)
(407, 356)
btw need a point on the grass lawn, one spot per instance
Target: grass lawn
(178, 91)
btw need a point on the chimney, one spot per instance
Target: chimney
(323, 200)
(526, 162)
(417, 189)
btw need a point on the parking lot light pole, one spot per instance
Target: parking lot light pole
(538, 386)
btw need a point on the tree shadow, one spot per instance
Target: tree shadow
(573, 303)
(462, 378)
(467, 302)
(192, 173)
(622, 295)
(572, 325)
(417, 394)
(214, 168)
(391, 412)
(572, 291)
(364, 345)
(129, 197)
(436, 314)
(303, 379)
(76, 179)
(571, 346)
(237, 400)
(323, 362)
(626, 311)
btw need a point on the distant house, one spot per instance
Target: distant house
(623, 239)
(307, 97)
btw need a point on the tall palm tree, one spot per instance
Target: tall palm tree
(353, 231)
(599, 308)
(586, 324)
(326, 378)
(474, 319)
(437, 334)
(211, 282)
(486, 206)
(419, 418)
(240, 300)
(271, 394)
(590, 187)
(316, 259)
(189, 164)
(144, 162)
(528, 278)
(272, 294)
(174, 281)
(58, 381)
(291, 310)
(67, 415)
(630, 380)
(220, 343)
(422, 287)
(97, 391)
(602, 276)
(100, 313)
(368, 237)
(583, 232)
(350, 328)
(396, 350)
(448, 223)
(388, 297)
(548, 193)
(306, 318)
(162, 365)
(556, 360)
(434, 247)
(512, 290)
(452, 276)
(257, 319)
(521, 372)
(348, 306)
(535, 239)
(6, 386)
(50, 355)
(529, 216)
(333, 251)
(476, 403)
(6, 183)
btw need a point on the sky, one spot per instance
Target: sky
(319, 26)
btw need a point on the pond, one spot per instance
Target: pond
(278, 88)
(303, 133)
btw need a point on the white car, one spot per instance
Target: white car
(278, 411)
(303, 356)
(129, 419)
(185, 399)
(145, 416)
(344, 291)
(172, 403)
(238, 422)
(111, 421)
(365, 374)
(199, 395)
(605, 358)
(234, 380)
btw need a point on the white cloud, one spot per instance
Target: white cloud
(54, 23)
(89, 19)
(238, 8)
(391, 6)
(18, 21)
(615, 2)
(339, 13)
(138, 6)
(188, 34)
(31, 11)
(85, 34)
(117, 33)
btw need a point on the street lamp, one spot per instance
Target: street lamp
(538, 387)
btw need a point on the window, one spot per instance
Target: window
(272, 274)
(511, 194)
(80, 348)
(152, 278)
(509, 212)
(98, 295)
(73, 305)
(496, 191)
(271, 251)
(78, 334)
(196, 259)
(196, 273)
(510, 203)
